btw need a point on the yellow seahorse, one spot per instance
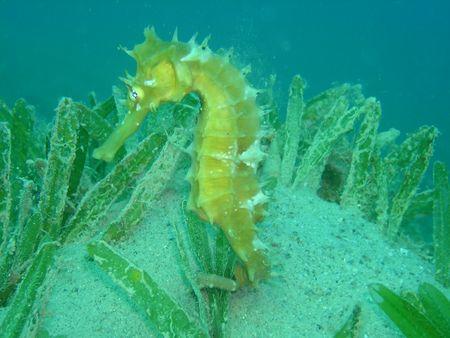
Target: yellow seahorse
(224, 186)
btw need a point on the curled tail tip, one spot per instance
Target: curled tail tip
(253, 271)
(259, 273)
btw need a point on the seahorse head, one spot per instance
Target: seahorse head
(160, 76)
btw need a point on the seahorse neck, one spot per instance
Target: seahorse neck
(213, 93)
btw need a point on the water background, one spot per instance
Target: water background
(398, 50)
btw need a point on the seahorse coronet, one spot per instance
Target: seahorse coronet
(226, 149)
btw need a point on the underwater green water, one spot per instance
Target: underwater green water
(398, 50)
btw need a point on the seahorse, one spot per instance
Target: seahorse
(226, 146)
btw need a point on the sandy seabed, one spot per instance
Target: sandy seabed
(323, 259)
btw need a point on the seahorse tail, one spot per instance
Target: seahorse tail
(241, 233)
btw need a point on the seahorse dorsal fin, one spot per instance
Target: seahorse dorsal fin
(204, 43)
(175, 35)
(126, 50)
(194, 37)
(150, 34)
(229, 53)
(246, 70)
(250, 92)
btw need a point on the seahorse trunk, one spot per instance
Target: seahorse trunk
(225, 189)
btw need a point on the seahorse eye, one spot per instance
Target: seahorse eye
(136, 94)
